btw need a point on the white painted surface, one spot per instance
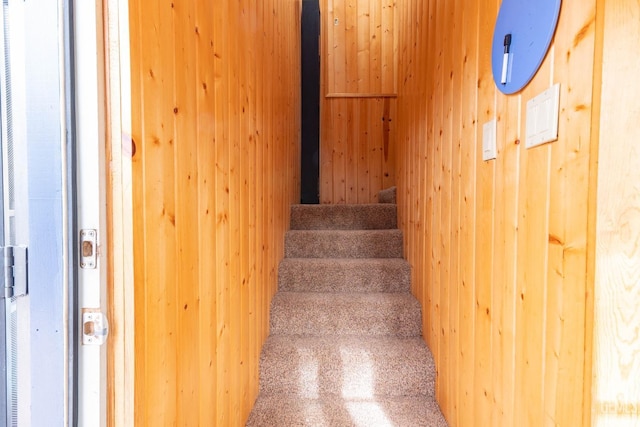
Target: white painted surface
(542, 117)
(489, 131)
(36, 68)
(91, 202)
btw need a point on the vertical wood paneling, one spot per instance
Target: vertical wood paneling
(616, 355)
(484, 235)
(350, 27)
(221, 141)
(362, 139)
(236, 139)
(261, 264)
(214, 172)
(251, 345)
(206, 219)
(351, 171)
(377, 117)
(358, 72)
(504, 266)
(449, 214)
(357, 149)
(463, 402)
(421, 214)
(336, 25)
(452, 334)
(388, 54)
(158, 382)
(376, 50)
(360, 49)
(567, 368)
(363, 45)
(499, 248)
(326, 153)
(435, 134)
(389, 128)
(187, 255)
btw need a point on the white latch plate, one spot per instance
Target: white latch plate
(95, 328)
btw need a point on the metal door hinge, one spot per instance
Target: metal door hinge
(14, 272)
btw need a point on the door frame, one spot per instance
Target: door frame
(104, 27)
(119, 148)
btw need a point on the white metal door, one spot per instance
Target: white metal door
(38, 342)
(53, 363)
(15, 311)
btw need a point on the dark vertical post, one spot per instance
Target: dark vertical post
(310, 43)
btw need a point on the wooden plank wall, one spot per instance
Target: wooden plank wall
(357, 103)
(356, 149)
(499, 248)
(216, 128)
(616, 354)
(360, 55)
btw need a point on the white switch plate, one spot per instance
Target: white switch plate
(489, 131)
(542, 117)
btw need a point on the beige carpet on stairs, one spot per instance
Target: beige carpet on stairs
(345, 347)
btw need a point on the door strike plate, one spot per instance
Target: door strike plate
(88, 239)
(95, 328)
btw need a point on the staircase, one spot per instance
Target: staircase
(345, 347)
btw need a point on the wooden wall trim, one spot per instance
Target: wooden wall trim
(589, 333)
(361, 95)
(120, 296)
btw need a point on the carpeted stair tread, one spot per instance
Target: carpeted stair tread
(343, 217)
(345, 345)
(388, 195)
(374, 314)
(280, 410)
(344, 275)
(357, 367)
(343, 244)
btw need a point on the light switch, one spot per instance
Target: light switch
(542, 117)
(489, 131)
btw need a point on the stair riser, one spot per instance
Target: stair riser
(343, 217)
(344, 244)
(387, 196)
(305, 314)
(333, 275)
